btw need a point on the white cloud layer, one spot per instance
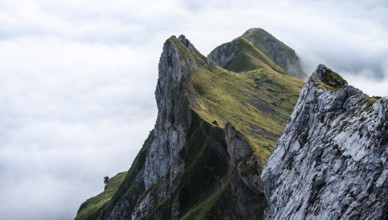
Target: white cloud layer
(77, 79)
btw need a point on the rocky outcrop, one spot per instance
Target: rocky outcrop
(174, 118)
(225, 53)
(331, 162)
(246, 186)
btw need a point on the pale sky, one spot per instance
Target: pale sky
(77, 79)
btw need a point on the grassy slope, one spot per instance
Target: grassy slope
(261, 40)
(258, 37)
(202, 209)
(250, 58)
(88, 208)
(258, 103)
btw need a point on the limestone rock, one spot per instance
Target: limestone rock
(331, 162)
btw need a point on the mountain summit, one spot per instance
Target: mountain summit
(256, 49)
(214, 132)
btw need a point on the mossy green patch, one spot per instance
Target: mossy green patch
(332, 80)
(372, 100)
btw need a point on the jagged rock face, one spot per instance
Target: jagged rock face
(245, 181)
(174, 118)
(225, 53)
(165, 141)
(171, 126)
(331, 162)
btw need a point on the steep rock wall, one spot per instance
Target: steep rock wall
(331, 162)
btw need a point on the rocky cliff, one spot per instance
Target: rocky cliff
(331, 162)
(214, 132)
(253, 50)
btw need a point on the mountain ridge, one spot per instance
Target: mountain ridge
(212, 136)
(207, 156)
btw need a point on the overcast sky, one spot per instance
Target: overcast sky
(77, 79)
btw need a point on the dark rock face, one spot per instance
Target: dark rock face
(332, 160)
(223, 54)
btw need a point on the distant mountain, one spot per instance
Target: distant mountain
(332, 160)
(214, 132)
(253, 50)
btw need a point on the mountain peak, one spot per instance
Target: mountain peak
(263, 50)
(181, 43)
(182, 38)
(330, 79)
(178, 58)
(276, 50)
(256, 31)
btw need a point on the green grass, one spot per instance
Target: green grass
(259, 37)
(372, 100)
(203, 208)
(250, 58)
(275, 49)
(204, 164)
(260, 112)
(88, 208)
